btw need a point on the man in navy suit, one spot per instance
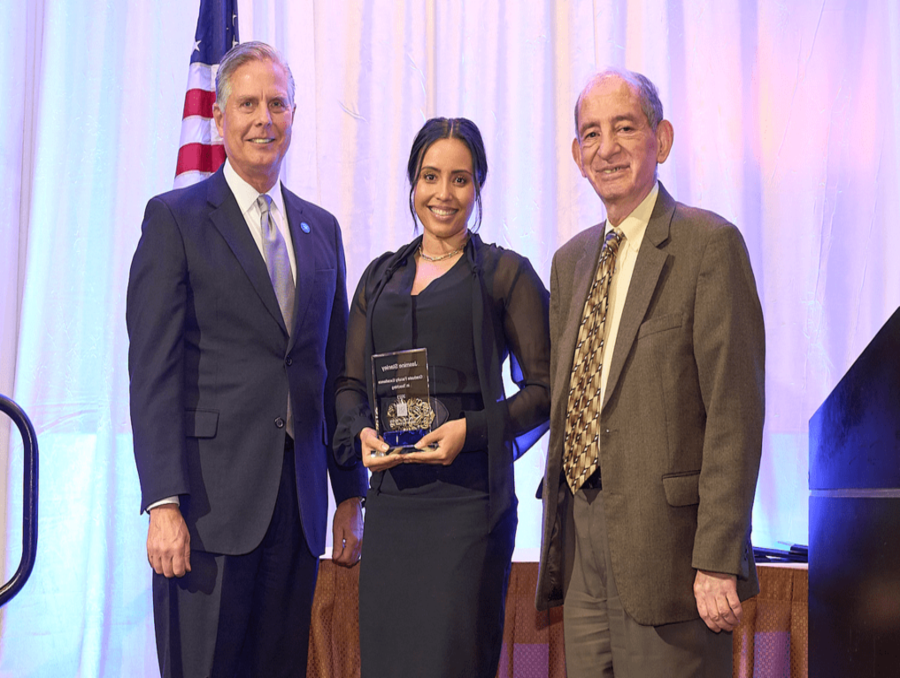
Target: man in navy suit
(234, 350)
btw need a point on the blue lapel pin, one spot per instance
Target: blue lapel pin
(304, 227)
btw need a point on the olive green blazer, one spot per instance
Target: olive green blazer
(681, 423)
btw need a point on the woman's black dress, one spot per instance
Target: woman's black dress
(435, 562)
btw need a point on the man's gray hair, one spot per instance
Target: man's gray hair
(241, 54)
(646, 91)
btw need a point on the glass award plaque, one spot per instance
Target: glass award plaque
(403, 404)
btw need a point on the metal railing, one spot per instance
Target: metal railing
(29, 499)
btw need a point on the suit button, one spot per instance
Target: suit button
(279, 422)
(289, 362)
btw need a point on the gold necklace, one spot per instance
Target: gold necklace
(422, 254)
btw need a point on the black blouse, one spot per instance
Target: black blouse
(508, 317)
(439, 319)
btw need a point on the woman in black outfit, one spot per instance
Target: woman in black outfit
(441, 522)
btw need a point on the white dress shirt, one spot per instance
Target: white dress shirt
(246, 197)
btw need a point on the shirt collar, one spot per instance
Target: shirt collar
(246, 195)
(635, 224)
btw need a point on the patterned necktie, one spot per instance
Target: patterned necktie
(582, 449)
(277, 261)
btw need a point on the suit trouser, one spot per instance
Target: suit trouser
(245, 615)
(602, 640)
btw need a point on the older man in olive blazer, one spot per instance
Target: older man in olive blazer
(653, 554)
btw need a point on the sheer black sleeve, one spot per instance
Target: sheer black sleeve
(351, 395)
(526, 330)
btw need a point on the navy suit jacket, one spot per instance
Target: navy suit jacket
(211, 366)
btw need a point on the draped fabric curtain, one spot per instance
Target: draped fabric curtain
(785, 117)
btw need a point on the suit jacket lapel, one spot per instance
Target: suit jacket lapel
(647, 269)
(582, 277)
(227, 218)
(303, 255)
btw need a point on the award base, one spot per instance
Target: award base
(403, 442)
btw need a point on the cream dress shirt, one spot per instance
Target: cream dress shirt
(633, 228)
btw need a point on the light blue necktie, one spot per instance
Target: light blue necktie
(277, 261)
(279, 267)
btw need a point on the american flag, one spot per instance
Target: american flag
(200, 152)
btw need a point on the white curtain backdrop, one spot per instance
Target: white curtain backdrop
(786, 122)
